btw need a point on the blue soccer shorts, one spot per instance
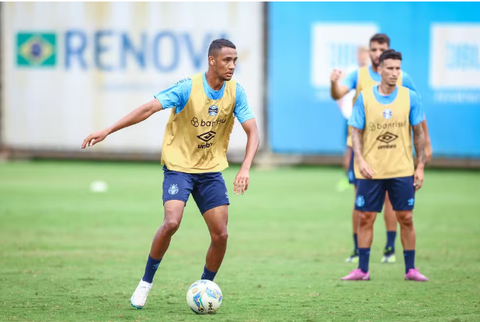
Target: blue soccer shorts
(371, 194)
(208, 189)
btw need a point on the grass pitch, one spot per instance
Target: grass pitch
(68, 254)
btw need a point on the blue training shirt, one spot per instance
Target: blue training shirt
(351, 79)
(358, 115)
(177, 96)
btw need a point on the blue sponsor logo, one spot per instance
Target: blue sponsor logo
(343, 54)
(462, 56)
(112, 50)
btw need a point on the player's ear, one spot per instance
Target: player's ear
(211, 60)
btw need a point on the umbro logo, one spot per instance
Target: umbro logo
(207, 136)
(387, 137)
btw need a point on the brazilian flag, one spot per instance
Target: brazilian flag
(36, 49)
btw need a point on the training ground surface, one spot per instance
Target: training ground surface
(68, 254)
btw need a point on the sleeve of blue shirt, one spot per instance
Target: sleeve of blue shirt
(357, 119)
(416, 111)
(351, 80)
(242, 110)
(408, 82)
(176, 95)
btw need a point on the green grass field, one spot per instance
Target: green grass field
(68, 254)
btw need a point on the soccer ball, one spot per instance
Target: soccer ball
(204, 297)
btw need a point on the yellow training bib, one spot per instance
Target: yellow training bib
(364, 81)
(196, 139)
(387, 138)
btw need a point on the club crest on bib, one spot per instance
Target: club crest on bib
(213, 110)
(173, 190)
(387, 114)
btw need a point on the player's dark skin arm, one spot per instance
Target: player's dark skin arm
(138, 115)
(365, 170)
(337, 90)
(253, 141)
(419, 142)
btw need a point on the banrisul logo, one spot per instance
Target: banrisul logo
(36, 49)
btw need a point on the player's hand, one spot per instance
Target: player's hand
(365, 169)
(418, 178)
(95, 138)
(428, 152)
(335, 75)
(242, 179)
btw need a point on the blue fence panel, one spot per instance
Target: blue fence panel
(440, 43)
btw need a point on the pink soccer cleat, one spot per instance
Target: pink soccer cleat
(357, 275)
(414, 275)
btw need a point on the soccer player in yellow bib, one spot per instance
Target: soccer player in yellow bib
(194, 154)
(382, 143)
(360, 79)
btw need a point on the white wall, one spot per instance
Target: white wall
(57, 106)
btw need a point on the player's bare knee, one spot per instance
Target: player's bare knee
(170, 226)
(405, 219)
(220, 238)
(366, 218)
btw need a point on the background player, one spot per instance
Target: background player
(360, 79)
(194, 152)
(345, 105)
(382, 144)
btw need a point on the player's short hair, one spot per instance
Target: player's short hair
(381, 39)
(218, 44)
(390, 54)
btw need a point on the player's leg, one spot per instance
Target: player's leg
(176, 190)
(171, 223)
(402, 195)
(343, 184)
(355, 223)
(408, 236)
(369, 201)
(391, 225)
(210, 194)
(407, 230)
(216, 220)
(353, 258)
